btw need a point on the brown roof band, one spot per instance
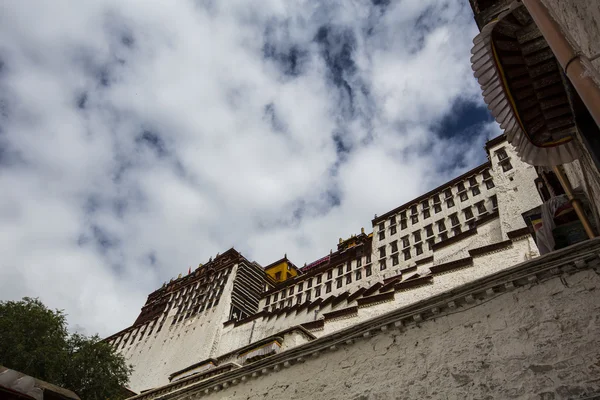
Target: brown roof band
(490, 247)
(449, 266)
(376, 298)
(341, 313)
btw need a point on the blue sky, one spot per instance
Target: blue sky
(140, 138)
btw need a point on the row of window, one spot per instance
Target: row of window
(298, 288)
(437, 207)
(431, 238)
(454, 220)
(317, 291)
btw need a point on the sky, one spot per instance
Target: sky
(139, 138)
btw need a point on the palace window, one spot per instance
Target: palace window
(289, 302)
(426, 214)
(441, 226)
(414, 219)
(393, 220)
(481, 207)
(393, 230)
(300, 286)
(457, 230)
(436, 199)
(278, 275)
(291, 290)
(283, 292)
(369, 258)
(268, 300)
(381, 235)
(308, 295)
(506, 166)
(382, 251)
(429, 230)
(317, 291)
(461, 187)
(405, 241)
(454, 219)
(413, 210)
(419, 248)
(403, 224)
(299, 299)
(486, 174)
(464, 196)
(382, 265)
(417, 236)
(319, 278)
(309, 283)
(340, 270)
(473, 181)
(394, 245)
(395, 260)
(328, 287)
(494, 202)
(430, 243)
(448, 193)
(403, 215)
(450, 203)
(348, 266)
(330, 274)
(368, 271)
(437, 208)
(468, 213)
(382, 226)
(338, 283)
(489, 183)
(358, 275)
(501, 154)
(406, 254)
(348, 279)
(443, 236)
(475, 190)
(359, 262)
(276, 297)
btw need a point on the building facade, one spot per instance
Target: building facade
(447, 297)
(231, 311)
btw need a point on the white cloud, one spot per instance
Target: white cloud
(139, 138)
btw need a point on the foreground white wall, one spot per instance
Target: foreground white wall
(540, 341)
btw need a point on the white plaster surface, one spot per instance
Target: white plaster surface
(516, 190)
(178, 346)
(537, 342)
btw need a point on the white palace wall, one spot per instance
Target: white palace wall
(532, 332)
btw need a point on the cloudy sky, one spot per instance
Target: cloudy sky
(138, 138)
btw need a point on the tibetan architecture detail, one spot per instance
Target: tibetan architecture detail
(231, 312)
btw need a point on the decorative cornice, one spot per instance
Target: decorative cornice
(490, 248)
(414, 283)
(344, 312)
(423, 261)
(452, 265)
(578, 257)
(376, 299)
(518, 233)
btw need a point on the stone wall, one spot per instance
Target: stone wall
(178, 346)
(539, 341)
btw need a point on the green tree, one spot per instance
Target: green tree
(35, 341)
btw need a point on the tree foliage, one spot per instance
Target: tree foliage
(35, 341)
